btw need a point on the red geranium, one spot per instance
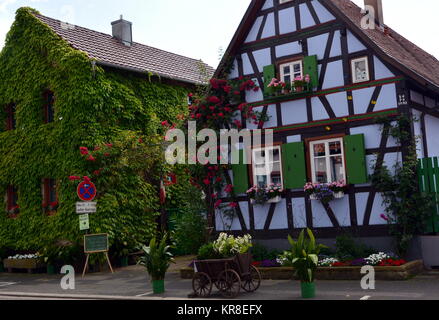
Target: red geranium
(84, 151)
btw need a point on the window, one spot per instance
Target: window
(327, 160)
(360, 70)
(50, 196)
(10, 117)
(266, 165)
(289, 71)
(12, 200)
(49, 112)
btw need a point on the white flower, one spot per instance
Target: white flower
(327, 262)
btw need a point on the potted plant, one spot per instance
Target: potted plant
(304, 258)
(319, 191)
(339, 188)
(300, 82)
(276, 86)
(156, 259)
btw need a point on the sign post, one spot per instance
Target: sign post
(96, 243)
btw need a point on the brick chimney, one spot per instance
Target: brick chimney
(378, 9)
(123, 31)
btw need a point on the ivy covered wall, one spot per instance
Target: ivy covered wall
(92, 106)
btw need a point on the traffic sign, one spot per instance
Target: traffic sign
(84, 222)
(86, 191)
(86, 207)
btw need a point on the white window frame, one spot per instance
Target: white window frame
(284, 1)
(267, 165)
(328, 158)
(290, 64)
(354, 76)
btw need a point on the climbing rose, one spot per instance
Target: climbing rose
(206, 182)
(229, 188)
(165, 123)
(84, 151)
(233, 205)
(109, 145)
(213, 99)
(218, 203)
(91, 158)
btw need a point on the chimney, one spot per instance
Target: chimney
(123, 31)
(378, 9)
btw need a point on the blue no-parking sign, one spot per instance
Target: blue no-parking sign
(86, 191)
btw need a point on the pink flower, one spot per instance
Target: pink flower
(384, 217)
(233, 205)
(228, 188)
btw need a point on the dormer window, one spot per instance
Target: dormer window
(10, 116)
(360, 70)
(291, 70)
(49, 111)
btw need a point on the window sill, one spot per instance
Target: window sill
(271, 201)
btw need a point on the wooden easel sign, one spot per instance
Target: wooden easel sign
(96, 243)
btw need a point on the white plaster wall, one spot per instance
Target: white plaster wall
(377, 209)
(418, 134)
(252, 96)
(306, 19)
(271, 112)
(269, 29)
(246, 65)
(318, 110)
(319, 216)
(288, 49)
(260, 214)
(339, 104)
(323, 14)
(432, 132)
(372, 136)
(299, 212)
(253, 33)
(262, 58)
(287, 21)
(362, 98)
(334, 75)
(234, 73)
(387, 98)
(280, 219)
(381, 71)
(294, 112)
(268, 4)
(317, 45)
(235, 224)
(336, 45)
(296, 138)
(354, 44)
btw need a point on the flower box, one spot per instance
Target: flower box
(28, 264)
(275, 200)
(401, 273)
(339, 195)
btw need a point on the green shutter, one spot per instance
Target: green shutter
(355, 159)
(310, 67)
(240, 174)
(269, 74)
(294, 165)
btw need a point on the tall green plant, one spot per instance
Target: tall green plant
(305, 255)
(406, 207)
(157, 258)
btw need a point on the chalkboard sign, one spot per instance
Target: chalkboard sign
(95, 243)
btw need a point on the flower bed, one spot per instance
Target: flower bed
(393, 273)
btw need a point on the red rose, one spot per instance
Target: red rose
(228, 188)
(218, 203)
(84, 151)
(165, 124)
(221, 115)
(206, 182)
(109, 145)
(91, 158)
(233, 205)
(213, 99)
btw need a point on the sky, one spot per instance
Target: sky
(201, 29)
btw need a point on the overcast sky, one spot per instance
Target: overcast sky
(201, 28)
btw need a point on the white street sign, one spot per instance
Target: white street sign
(84, 222)
(85, 207)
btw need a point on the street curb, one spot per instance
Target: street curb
(82, 296)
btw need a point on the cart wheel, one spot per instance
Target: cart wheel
(252, 281)
(202, 285)
(229, 283)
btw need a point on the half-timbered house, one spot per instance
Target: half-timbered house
(328, 130)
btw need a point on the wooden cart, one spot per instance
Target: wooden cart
(228, 275)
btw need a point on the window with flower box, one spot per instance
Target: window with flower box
(290, 71)
(49, 111)
(327, 160)
(10, 116)
(50, 196)
(267, 166)
(12, 200)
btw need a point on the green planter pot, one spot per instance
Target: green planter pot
(308, 290)
(124, 262)
(158, 286)
(50, 269)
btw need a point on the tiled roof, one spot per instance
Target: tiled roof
(109, 51)
(402, 51)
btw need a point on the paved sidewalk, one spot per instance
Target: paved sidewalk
(133, 283)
